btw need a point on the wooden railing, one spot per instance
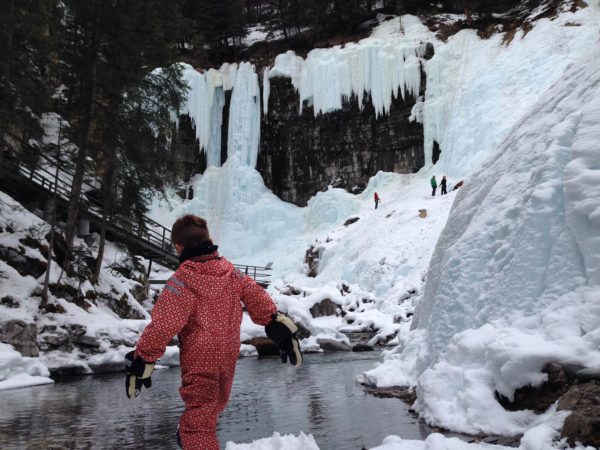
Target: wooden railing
(150, 235)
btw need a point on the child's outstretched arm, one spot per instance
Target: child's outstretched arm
(257, 301)
(279, 327)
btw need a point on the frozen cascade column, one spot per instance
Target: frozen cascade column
(244, 117)
(213, 153)
(204, 106)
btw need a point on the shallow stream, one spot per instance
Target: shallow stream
(320, 398)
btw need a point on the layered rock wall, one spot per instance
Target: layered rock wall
(301, 154)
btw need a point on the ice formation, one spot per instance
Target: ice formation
(382, 67)
(266, 91)
(479, 89)
(205, 102)
(514, 280)
(204, 106)
(244, 117)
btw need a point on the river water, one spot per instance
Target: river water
(320, 398)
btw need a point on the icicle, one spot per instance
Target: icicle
(377, 67)
(204, 106)
(266, 91)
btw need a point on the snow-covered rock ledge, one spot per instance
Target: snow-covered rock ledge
(18, 371)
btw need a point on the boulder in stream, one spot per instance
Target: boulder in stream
(333, 345)
(264, 346)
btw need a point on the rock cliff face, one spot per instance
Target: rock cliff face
(302, 154)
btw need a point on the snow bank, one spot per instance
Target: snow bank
(541, 437)
(277, 441)
(17, 371)
(66, 335)
(514, 280)
(433, 442)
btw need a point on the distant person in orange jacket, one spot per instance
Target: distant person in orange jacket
(202, 304)
(377, 199)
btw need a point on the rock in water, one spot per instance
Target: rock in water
(331, 345)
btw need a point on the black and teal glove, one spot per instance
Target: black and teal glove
(282, 330)
(137, 374)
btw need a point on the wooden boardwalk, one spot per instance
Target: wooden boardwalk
(46, 180)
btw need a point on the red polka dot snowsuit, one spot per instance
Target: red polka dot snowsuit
(202, 303)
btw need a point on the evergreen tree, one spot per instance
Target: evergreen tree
(219, 24)
(119, 107)
(25, 49)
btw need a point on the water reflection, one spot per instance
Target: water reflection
(320, 398)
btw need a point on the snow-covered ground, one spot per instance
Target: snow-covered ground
(19, 371)
(514, 282)
(93, 320)
(537, 439)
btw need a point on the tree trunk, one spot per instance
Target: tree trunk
(50, 248)
(101, 246)
(282, 17)
(108, 203)
(52, 217)
(87, 98)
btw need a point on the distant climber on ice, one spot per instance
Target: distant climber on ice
(202, 304)
(433, 185)
(377, 199)
(443, 185)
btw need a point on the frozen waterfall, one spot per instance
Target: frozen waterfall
(205, 102)
(382, 67)
(244, 117)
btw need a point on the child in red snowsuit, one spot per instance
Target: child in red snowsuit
(202, 304)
